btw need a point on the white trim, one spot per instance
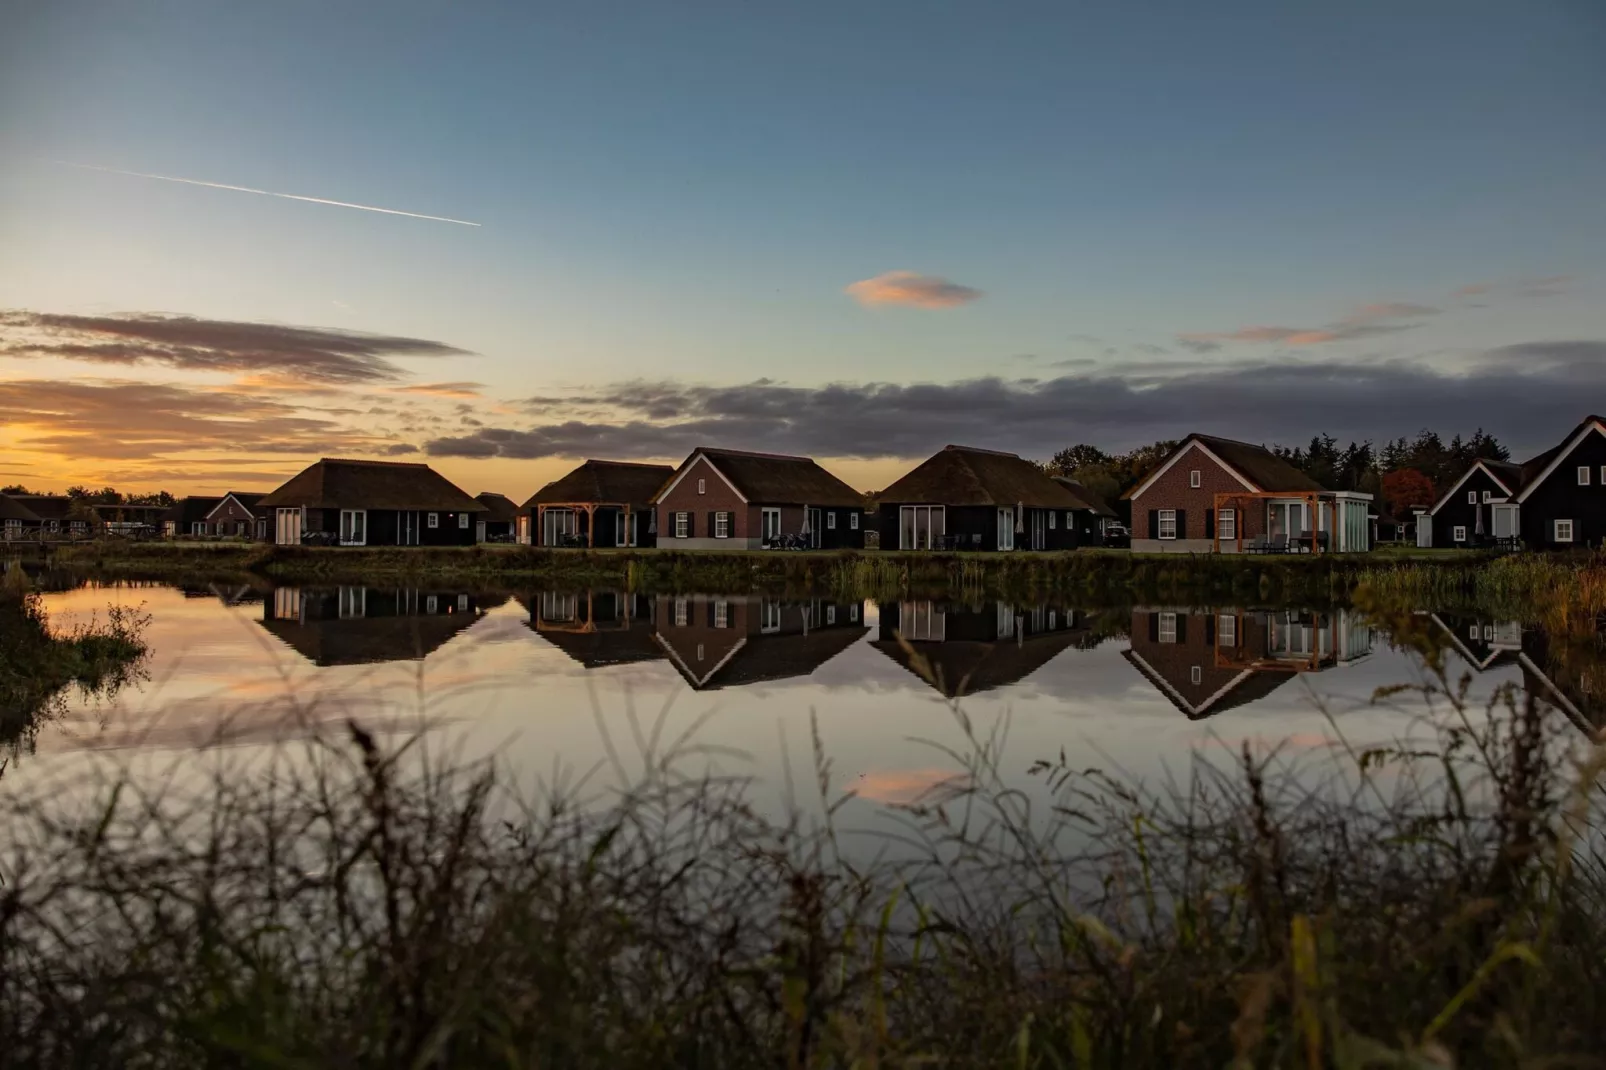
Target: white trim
(1557, 461)
(1176, 696)
(1555, 530)
(1586, 475)
(1477, 465)
(697, 681)
(1458, 533)
(225, 500)
(1159, 524)
(1558, 699)
(685, 470)
(1182, 451)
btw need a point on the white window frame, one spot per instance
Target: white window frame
(345, 531)
(197, 527)
(431, 603)
(1051, 519)
(700, 651)
(830, 520)
(1167, 630)
(769, 616)
(433, 520)
(1164, 517)
(682, 524)
(830, 614)
(1487, 497)
(1556, 530)
(853, 612)
(1227, 524)
(1472, 497)
(1226, 629)
(1196, 675)
(353, 603)
(722, 613)
(853, 520)
(722, 525)
(1603, 475)
(702, 486)
(909, 535)
(682, 612)
(1195, 479)
(766, 529)
(1584, 471)
(1458, 533)
(462, 521)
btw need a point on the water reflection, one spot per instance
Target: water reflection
(1567, 672)
(596, 628)
(963, 650)
(717, 641)
(365, 625)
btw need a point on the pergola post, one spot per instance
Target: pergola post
(591, 526)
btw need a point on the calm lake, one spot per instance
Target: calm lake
(564, 686)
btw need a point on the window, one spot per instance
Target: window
(722, 613)
(1168, 524)
(830, 614)
(1226, 630)
(1193, 479)
(853, 612)
(1603, 475)
(1168, 628)
(853, 521)
(431, 604)
(433, 520)
(1227, 524)
(699, 652)
(462, 521)
(1195, 674)
(1051, 515)
(1458, 533)
(722, 525)
(682, 524)
(198, 528)
(1564, 531)
(772, 524)
(462, 603)
(354, 527)
(921, 527)
(1472, 497)
(770, 616)
(1488, 633)
(830, 520)
(702, 486)
(1070, 520)
(353, 602)
(1053, 620)
(1487, 497)
(52, 525)
(1583, 475)
(682, 612)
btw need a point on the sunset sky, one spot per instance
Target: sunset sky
(858, 231)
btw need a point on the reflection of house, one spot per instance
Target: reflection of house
(1482, 644)
(1569, 678)
(596, 628)
(961, 650)
(600, 503)
(717, 641)
(372, 503)
(1207, 661)
(358, 625)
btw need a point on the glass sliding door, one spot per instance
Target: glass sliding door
(920, 527)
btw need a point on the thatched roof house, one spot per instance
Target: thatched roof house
(366, 503)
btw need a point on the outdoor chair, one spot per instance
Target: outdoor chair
(1257, 545)
(1277, 544)
(1322, 541)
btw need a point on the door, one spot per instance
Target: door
(406, 528)
(621, 532)
(772, 525)
(814, 522)
(1506, 521)
(1006, 529)
(1424, 531)
(287, 527)
(1039, 529)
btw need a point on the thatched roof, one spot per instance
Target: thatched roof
(1089, 501)
(499, 507)
(45, 506)
(342, 484)
(777, 478)
(964, 475)
(966, 667)
(191, 510)
(764, 658)
(11, 509)
(623, 482)
(609, 646)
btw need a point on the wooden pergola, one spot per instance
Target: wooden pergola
(590, 510)
(1313, 499)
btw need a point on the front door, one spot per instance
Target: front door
(407, 528)
(772, 525)
(287, 527)
(1006, 529)
(814, 527)
(1039, 529)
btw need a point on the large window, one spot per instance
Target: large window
(722, 525)
(1564, 530)
(1167, 632)
(769, 616)
(922, 622)
(1168, 524)
(1006, 529)
(682, 612)
(353, 602)
(921, 527)
(772, 524)
(682, 525)
(354, 527)
(1227, 524)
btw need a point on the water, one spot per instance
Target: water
(565, 686)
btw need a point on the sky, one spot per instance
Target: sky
(859, 232)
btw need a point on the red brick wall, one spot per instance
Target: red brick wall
(228, 514)
(1197, 646)
(1171, 491)
(718, 497)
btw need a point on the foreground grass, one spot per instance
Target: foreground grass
(358, 904)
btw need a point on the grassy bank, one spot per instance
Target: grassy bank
(357, 905)
(1564, 592)
(1096, 575)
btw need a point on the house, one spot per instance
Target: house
(239, 515)
(1217, 495)
(1553, 673)
(718, 641)
(1089, 518)
(188, 516)
(59, 514)
(17, 519)
(600, 503)
(128, 518)
(1208, 661)
(364, 625)
(732, 500)
(598, 629)
(963, 650)
(1554, 501)
(974, 499)
(498, 521)
(372, 503)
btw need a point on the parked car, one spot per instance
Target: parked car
(1117, 535)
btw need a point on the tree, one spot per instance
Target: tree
(1072, 458)
(15, 488)
(1098, 479)
(1405, 489)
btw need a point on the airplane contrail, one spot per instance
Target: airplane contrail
(268, 193)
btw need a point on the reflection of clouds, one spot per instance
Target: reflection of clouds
(903, 787)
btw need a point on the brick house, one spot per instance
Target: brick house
(732, 500)
(717, 641)
(1214, 491)
(1554, 501)
(238, 515)
(966, 498)
(372, 503)
(187, 516)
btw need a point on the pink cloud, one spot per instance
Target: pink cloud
(441, 390)
(1379, 318)
(912, 289)
(904, 787)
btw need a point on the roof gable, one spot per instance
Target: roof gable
(775, 478)
(625, 482)
(964, 475)
(1542, 467)
(334, 483)
(1256, 467)
(11, 509)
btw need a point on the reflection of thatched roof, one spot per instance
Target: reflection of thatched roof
(966, 667)
(620, 482)
(778, 478)
(340, 484)
(606, 646)
(761, 658)
(365, 640)
(1248, 687)
(15, 510)
(962, 475)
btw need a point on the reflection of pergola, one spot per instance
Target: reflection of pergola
(586, 623)
(1312, 499)
(590, 510)
(1235, 658)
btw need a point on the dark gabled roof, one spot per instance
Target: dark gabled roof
(11, 509)
(1533, 469)
(1251, 686)
(966, 667)
(1089, 501)
(778, 478)
(1257, 464)
(605, 481)
(1506, 472)
(605, 647)
(764, 658)
(45, 506)
(341, 484)
(191, 510)
(250, 499)
(499, 507)
(963, 475)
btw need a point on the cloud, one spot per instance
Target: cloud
(277, 354)
(1363, 322)
(913, 289)
(1473, 289)
(1527, 394)
(442, 390)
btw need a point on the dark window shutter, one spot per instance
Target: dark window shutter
(710, 605)
(1154, 627)
(1182, 628)
(1210, 523)
(1154, 523)
(691, 524)
(1210, 629)
(1182, 529)
(713, 529)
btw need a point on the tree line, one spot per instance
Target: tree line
(1402, 474)
(103, 496)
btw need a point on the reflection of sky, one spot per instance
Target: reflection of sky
(499, 689)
